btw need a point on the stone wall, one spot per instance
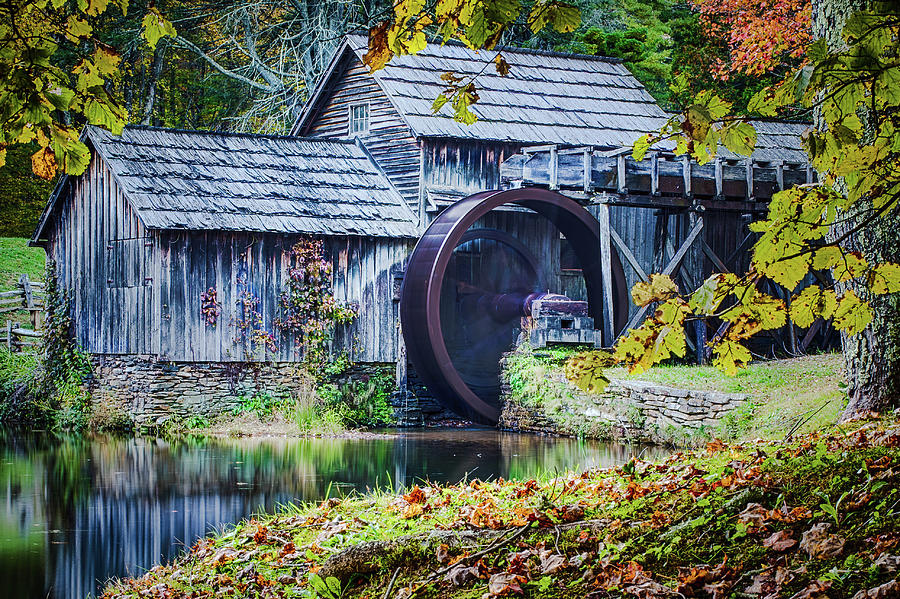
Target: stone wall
(151, 392)
(634, 410)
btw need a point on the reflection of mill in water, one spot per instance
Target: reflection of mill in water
(111, 507)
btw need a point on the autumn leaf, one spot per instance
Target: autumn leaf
(780, 541)
(658, 288)
(43, 163)
(501, 65)
(155, 27)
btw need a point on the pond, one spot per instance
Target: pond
(77, 511)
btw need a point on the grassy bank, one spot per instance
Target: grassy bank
(783, 393)
(784, 396)
(813, 518)
(16, 259)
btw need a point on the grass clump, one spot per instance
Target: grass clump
(814, 517)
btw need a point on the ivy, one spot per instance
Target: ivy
(210, 307)
(309, 310)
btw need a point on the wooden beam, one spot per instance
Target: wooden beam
(608, 333)
(686, 175)
(554, 168)
(671, 267)
(654, 173)
(720, 182)
(811, 334)
(620, 173)
(586, 162)
(779, 174)
(748, 177)
(627, 253)
(713, 257)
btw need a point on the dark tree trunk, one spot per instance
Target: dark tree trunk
(872, 358)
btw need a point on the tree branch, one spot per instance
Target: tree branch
(227, 72)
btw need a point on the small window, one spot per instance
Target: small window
(359, 119)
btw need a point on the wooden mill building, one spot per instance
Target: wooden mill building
(162, 216)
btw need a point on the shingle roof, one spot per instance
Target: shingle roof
(780, 140)
(224, 181)
(547, 97)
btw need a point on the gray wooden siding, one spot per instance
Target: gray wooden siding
(191, 263)
(389, 139)
(462, 166)
(104, 259)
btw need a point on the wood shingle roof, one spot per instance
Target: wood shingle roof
(237, 182)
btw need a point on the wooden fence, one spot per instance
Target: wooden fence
(28, 297)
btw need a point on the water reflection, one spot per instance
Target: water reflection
(76, 512)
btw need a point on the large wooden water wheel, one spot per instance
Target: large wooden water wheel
(459, 315)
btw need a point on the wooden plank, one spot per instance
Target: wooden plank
(554, 168)
(713, 257)
(586, 182)
(720, 183)
(654, 173)
(620, 174)
(686, 175)
(608, 331)
(628, 254)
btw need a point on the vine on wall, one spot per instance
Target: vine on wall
(210, 307)
(309, 309)
(250, 326)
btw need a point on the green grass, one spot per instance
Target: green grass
(782, 392)
(17, 258)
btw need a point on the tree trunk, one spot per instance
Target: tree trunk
(872, 358)
(159, 57)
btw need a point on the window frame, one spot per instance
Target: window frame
(350, 119)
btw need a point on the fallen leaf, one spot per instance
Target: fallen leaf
(888, 590)
(817, 589)
(891, 563)
(820, 544)
(417, 495)
(780, 541)
(461, 575)
(504, 583)
(442, 553)
(551, 563)
(412, 510)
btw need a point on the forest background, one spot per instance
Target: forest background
(249, 65)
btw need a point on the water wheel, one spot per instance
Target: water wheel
(466, 290)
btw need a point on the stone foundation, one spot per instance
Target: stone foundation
(634, 410)
(151, 392)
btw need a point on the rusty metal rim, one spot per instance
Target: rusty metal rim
(421, 291)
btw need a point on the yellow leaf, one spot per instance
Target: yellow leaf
(43, 163)
(885, 278)
(379, 52)
(812, 303)
(658, 288)
(729, 355)
(852, 315)
(501, 65)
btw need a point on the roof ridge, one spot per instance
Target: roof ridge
(518, 49)
(235, 134)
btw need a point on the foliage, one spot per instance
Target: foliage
(762, 35)
(64, 364)
(749, 519)
(360, 401)
(47, 390)
(856, 153)
(250, 326)
(39, 98)
(309, 309)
